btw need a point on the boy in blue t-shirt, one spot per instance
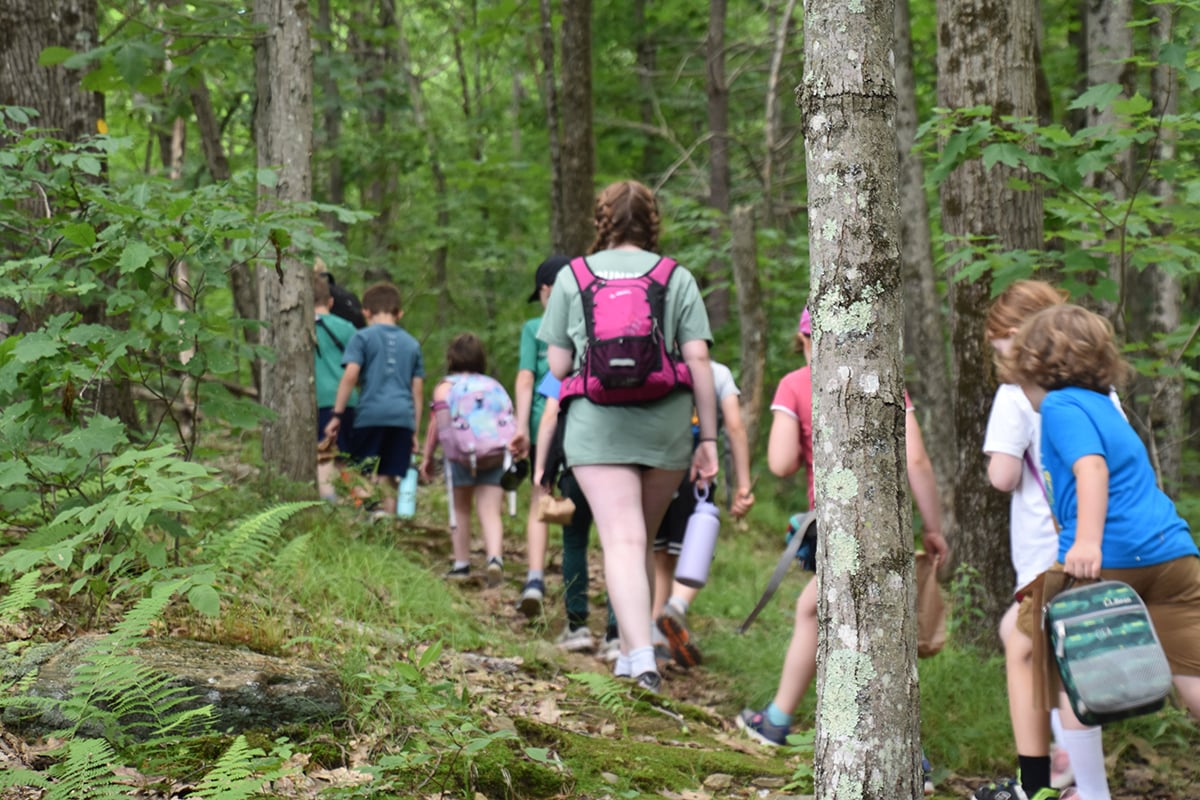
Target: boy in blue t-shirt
(1115, 523)
(385, 362)
(332, 335)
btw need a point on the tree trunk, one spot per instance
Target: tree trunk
(283, 124)
(647, 63)
(924, 338)
(441, 277)
(548, 82)
(773, 127)
(382, 65)
(985, 58)
(578, 148)
(717, 300)
(752, 318)
(335, 188)
(1166, 412)
(1109, 50)
(867, 695)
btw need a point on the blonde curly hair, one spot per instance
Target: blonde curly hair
(626, 213)
(1066, 345)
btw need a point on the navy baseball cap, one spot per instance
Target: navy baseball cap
(547, 271)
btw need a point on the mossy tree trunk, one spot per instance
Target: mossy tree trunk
(867, 694)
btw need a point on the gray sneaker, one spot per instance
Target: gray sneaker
(495, 572)
(759, 728)
(575, 640)
(650, 682)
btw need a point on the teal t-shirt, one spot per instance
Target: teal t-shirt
(333, 334)
(533, 359)
(657, 434)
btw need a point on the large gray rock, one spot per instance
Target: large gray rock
(247, 690)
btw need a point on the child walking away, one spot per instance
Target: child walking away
(385, 362)
(530, 402)
(332, 335)
(1115, 523)
(626, 407)
(1013, 446)
(473, 423)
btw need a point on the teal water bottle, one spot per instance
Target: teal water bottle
(406, 500)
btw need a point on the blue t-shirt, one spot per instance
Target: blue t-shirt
(389, 358)
(1142, 527)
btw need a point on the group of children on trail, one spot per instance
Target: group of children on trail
(618, 408)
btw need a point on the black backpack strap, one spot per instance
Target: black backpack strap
(340, 344)
(781, 568)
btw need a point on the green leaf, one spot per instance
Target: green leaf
(35, 346)
(89, 165)
(1134, 106)
(52, 56)
(1099, 97)
(205, 599)
(101, 435)
(1010, 155)
(134, 256)
(80, 233)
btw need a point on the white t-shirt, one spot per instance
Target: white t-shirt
(1013, 429)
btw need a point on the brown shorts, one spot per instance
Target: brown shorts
(1171, 591)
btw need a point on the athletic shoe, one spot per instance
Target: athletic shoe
(927, 774)
(1010, 789)
(575, 640)
(495, 572)
(759, 728)
(610, 651)
(650, 682)
(458, 574)
(673, 625)
(531, 598)
(1062, 774)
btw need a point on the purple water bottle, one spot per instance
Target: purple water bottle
(699, 541)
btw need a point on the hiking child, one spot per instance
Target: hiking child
(625, 404)
(672, 598)
(531, 371)
(1013, 446)
(332, 333)
(1114, 521)
(345, 305)
(473, 422)
(385, 362)
(575, 636)
(789, 446)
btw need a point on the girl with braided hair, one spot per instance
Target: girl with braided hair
(628, 459)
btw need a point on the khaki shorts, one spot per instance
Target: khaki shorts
(1171, 591)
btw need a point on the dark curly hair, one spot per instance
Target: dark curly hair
(626, 213)
(1066, 345)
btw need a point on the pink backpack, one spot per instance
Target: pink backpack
(626, 359)
(475, 423)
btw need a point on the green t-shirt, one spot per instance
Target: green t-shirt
(657, 434)
(533, 359)
(333, 334)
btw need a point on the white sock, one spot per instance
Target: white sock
(679, 603)
(623, 668)
(1056, 724)
(1086, 749)
(642, 660)
(461, 564)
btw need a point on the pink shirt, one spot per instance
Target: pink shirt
(794, 397)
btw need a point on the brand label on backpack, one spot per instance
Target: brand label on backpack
(478, 424)
(626, 359)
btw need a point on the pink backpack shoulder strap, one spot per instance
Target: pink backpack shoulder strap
(661, 273)
(583, 273)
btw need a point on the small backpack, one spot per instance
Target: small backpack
(1108, 654)
(626, 359)
(475, 424)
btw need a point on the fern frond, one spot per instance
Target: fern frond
(22, 593)
(244, 548)
(23, 779)
(123, 696)
(86, 773)
(293, 554)
(234, 776)
(611, 695)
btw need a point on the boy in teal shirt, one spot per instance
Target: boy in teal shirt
(332, 333)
